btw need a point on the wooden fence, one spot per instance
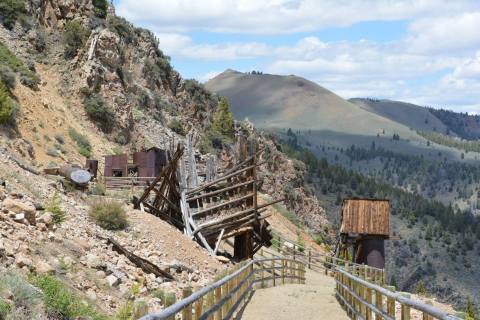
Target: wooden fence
(127, 182)
(225, 298)
(360, 289)
(364, 298)
(318, 261)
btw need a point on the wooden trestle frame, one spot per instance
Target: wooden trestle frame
(219, 209)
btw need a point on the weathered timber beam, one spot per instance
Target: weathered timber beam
(213, 193)
(270, 203)
(172, 205)
(221, 179)
(218, 241)
(218, 221)
(144, 264)
(221, 205)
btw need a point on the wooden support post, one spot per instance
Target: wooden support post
(294, 250)
(209, 303)
(198, 307)
(187, 311)
(391, 303)
(405, 310)
(283, 271)
(218, 297)
(426, 316)
(368, 298)
(273, 271)
(378, 304)
(309, 258)
(262, 272)
(169, 300)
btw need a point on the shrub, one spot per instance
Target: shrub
(83, 144)
(23, 293)
(10, 11)
(109, 215)
(53, 206)
(7, 58)
(99, 112)
(40, 42)
(29, 79)
(122, 27)
(99, 189)
(7, 106)
(61, 303)
(176, 126)
(101, 7)
(74, 38)
(7, 76)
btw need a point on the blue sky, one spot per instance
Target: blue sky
(420, 51)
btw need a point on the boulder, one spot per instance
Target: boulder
(2, 194)
(18, 206)
(46, 218)
(112, 280)
(23, 261)
(19, 217)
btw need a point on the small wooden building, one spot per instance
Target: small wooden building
(146, 163)
(365, 224)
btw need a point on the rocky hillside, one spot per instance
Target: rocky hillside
(79, 82)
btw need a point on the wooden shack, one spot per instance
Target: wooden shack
(366, 217)
(365, 224)
(146, 163)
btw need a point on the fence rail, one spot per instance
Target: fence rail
(363, 299)
(318, 261)
(127, 182)
(226, 297)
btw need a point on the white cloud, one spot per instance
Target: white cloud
(277, 16)
(228, 51)
(443, 34)
(171, 43)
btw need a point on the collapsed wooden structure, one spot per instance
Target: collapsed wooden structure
(220, 208)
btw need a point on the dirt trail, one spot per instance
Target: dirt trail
(313, 300)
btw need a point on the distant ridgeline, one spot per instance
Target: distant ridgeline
(410, 206)
(464, 125)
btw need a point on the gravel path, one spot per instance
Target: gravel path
(313, 300)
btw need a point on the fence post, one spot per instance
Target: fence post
(218, 297)
(262, 273)
(391, 303)
(368, 294)
(309, 258)
(294, 251)
(405, 309)
(169, 302)
(426, 316)
(378, 304)
(283, 271)
(273, 271)
(187, 311)
(198, 307)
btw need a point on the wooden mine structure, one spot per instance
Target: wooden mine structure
(220, 208)
(365, 225)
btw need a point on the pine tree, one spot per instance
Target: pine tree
(6, 106)
(470, 311)
(223, 119)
